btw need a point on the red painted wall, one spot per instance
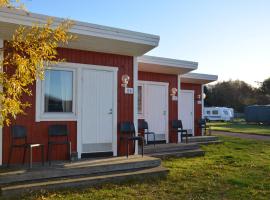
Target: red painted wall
(173, 107)
(38, 131)
(197, 107)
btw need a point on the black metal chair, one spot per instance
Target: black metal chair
(203, 126)
(127, 130)
(19, 133)
(58, 131)
(178, 127)
(143, 126)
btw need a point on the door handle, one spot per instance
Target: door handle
(110, 112)
(164, 112)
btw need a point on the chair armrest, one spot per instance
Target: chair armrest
(182, 131)
(148, 133)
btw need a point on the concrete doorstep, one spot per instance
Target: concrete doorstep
(79, 182)
(80, 174)
(179, 150)
(179, 154)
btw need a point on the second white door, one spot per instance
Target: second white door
(97, 111)
(155, 108)
(187, 109)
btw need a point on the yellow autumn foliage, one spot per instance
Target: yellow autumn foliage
(30, 51)
(11, 4)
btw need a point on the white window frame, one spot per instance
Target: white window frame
(41, 115)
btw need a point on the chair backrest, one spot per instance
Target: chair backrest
(142, 125)
(18, 132)
(176, 124)
(58, 130)
(202, 122)
(127, 128)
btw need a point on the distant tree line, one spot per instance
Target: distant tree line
(237, 94)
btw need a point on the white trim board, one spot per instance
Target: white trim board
(165, 65)
(135, 99)
(27, 18)
(198, 78)
(91, 37)
(168, 62)
(1, 129)
(178, 95)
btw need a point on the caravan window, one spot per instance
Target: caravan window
(208, 112)
(225, 112)
(215, 112)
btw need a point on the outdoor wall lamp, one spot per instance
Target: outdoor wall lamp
(173, 92)
(125, 80)
(204, 96)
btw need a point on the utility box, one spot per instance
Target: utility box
(257, 114)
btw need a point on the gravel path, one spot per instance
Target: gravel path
(243, 135)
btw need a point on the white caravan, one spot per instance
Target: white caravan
(218, 113)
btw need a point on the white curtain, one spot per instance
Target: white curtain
(58, 91)
(66, 94)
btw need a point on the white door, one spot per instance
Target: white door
(156, 108)
(97, 110)
(187, 109)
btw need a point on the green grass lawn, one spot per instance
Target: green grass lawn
(237, 169)
(241, 127)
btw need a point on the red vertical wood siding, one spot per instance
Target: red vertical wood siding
(38, 130)
(173, 106)
(197, 107)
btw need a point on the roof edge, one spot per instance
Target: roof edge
(168, 62)
(20, 17)
(209, 77)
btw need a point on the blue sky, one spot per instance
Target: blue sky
(230, 38)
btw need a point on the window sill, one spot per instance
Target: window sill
(56, 117)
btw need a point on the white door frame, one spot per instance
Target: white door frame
(115, 94)
(142, 83)
(135, 99)
(193, 108)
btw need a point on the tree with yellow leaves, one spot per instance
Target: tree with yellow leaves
(30, 51)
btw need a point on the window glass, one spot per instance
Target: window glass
(215, 112)
(225, 112)
(58, 95)
(208, 112)
(140, 99)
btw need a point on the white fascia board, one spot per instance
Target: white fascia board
(206, 77)
(168, 62)
(19, 17)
